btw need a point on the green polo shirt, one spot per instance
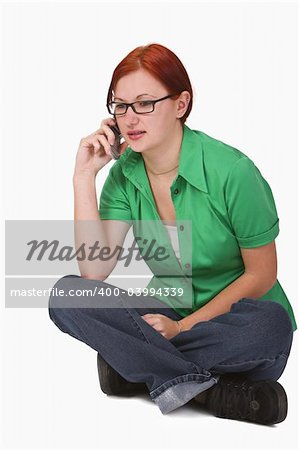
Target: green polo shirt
(224, 198)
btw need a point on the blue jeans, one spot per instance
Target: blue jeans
(254, 337)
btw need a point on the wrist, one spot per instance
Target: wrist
(180, 326)
(83, 175)
(183, 325)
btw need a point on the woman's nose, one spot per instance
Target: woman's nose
(131, 116)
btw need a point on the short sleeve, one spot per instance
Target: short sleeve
(251, 206)
(114, 203)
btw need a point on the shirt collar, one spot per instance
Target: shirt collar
(190, 162)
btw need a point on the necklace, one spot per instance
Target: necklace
(162, 173)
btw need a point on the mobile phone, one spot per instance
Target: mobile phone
(115, 148)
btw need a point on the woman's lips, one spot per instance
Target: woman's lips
(135, 135)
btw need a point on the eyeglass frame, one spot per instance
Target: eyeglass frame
(138, 101)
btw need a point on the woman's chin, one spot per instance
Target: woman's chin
(136, 148)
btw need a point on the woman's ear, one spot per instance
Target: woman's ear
(182, 103)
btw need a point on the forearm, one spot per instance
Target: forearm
(247, 285)
(85, 201)
(88, 228)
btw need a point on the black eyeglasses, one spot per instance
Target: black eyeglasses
(139, 107)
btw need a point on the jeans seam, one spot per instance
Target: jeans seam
(252, 360)
(136, 325)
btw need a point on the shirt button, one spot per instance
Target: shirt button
(187, 265)
(181, 227)
(176, 191)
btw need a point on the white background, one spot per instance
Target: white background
(57, 59)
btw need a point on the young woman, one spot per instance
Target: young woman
(228, 347)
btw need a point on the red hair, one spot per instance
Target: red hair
(162, 64)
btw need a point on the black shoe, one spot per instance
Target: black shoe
(235, 397)
(112, 383)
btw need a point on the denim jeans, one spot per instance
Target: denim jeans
(254, 337)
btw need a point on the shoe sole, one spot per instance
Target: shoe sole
(254, 406)
(282, 401)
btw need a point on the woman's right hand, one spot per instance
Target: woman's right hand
(94, 150)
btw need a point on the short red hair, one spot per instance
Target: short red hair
(161, 63)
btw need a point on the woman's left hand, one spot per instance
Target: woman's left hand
(166, 326)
